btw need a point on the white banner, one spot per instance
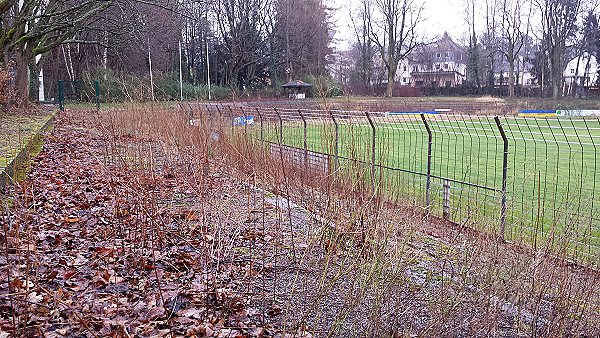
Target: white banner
(576, 112)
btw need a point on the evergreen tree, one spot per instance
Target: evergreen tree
(473, 76)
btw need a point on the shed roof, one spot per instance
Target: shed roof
(296, 84)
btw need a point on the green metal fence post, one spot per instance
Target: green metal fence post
(373, 149)
(336, 163)
(61, 95)
(97, 92)
(504, 178)
(428, 182)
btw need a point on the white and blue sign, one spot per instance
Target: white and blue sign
(243, 120)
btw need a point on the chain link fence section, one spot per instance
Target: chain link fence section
(527, 180)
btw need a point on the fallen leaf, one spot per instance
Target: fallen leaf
(72, 219)
(155, 313)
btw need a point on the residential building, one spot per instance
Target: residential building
(438, 64)
(580, 74)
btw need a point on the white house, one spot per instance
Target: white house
(580, 74)
(439, 64)
(522, 72)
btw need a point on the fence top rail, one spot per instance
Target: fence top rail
(390, 114)
(526, 129)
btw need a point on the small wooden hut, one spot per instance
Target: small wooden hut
(297, 89)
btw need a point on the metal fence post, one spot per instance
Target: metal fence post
(280, 127)
(232, 119)
(191, 111)
(220, 116)
(245, 123)
(305, 140)
(336, 161)
(428, 182)
(61, 95)
(373, 145)
(446, 202)
(504, 178)
(97, 92)
(261, 123)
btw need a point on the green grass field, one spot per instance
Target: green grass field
(553, 189)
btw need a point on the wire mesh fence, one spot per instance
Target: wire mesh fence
(528, 180)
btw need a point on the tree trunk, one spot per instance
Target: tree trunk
(22, 80)
(392, 67)
(574, 83)
(511, 77)
(390, 84)
(556, 74)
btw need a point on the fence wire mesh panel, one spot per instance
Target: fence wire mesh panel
(532, 181)
(553, 185)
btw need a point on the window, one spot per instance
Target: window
(404, 68)
(447, 54)
(572, 70)
(445, 66)
(404, 79)
(415, 69)
(439, 55)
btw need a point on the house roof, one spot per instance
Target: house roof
(435, 73)
(296, 84)
(429, 53)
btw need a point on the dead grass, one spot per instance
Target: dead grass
(170, 229)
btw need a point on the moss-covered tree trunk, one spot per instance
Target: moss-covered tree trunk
(22, 75)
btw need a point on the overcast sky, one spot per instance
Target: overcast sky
(440, 16)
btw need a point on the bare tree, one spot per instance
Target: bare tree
(302, 37)
(559, 25)
(364, 45)
(514, 20)
(396, 35)
(490, 40)
(33, 27)
(242, 27)
(473, 75)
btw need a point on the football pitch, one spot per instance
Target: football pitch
(552, 186)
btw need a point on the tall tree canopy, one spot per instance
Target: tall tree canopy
(397, 34)
(33, 27)
(302, 38)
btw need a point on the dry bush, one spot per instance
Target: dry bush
(6, 94)
(342, 260)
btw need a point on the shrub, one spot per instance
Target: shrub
(6, 92)
(323, 86)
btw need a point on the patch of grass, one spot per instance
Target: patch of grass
(552, 185)
(17, 129)
(34, 149)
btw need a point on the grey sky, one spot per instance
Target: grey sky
(440, 16)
